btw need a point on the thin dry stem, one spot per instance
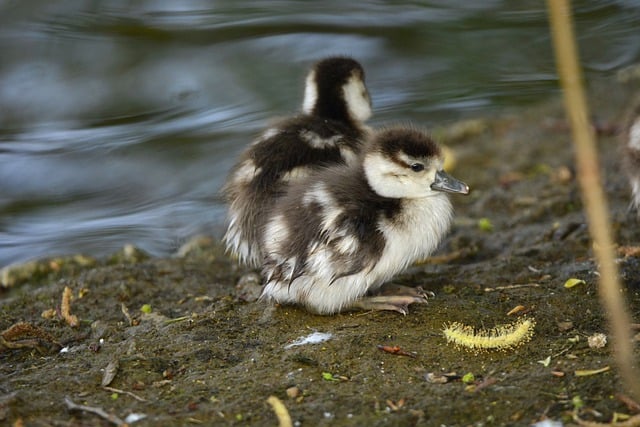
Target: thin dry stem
(592, 192)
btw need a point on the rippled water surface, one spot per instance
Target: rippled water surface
(119, 120)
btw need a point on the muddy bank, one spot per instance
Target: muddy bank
(183, 345)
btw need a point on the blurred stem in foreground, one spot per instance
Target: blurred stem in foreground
(592, 193)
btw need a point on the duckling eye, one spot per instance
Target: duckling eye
(417, 167)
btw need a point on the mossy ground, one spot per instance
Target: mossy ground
(205, 356)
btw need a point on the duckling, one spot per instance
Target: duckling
(631, 157)
(330, 130)
(346, 229)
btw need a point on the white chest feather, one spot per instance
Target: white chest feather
(414, 236)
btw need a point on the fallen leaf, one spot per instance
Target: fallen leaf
(110, 372)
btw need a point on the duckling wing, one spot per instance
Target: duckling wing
(314, 245)
(327, 257)
(343, 248)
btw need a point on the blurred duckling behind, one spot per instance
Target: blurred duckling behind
(329, 131)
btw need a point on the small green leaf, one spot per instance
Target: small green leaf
(146, 308)
(328, 376)
(577, 402)
(485, 224)
(468, 378)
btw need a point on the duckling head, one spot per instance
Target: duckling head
(335, 89)
(406, 163)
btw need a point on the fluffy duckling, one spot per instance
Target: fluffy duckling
(329, 130)
(346, 229)
(631, 157)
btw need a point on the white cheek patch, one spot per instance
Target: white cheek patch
(634, 135)
(381, 176)
(357, 99)
(389, 179)
(246, 172)
(310, 93)
(316, 141)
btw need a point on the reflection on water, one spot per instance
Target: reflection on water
(119, 119)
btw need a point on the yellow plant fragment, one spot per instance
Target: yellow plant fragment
(284, 419)
(588, 372)
(517, 309)
(545, 362)
(502, 337)
(573, 282)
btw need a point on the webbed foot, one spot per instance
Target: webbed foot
(394, 298)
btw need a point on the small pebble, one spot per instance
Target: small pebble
(293, 392)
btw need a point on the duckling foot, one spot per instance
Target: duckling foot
(394, 298)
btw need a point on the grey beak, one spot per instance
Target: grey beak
(445, 182)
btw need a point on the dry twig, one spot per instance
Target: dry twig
(631, 422)
(94, 410)
(591, 188)
(512, 287)
(128, 393)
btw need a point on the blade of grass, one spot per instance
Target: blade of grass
(592, 193)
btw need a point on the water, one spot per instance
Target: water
(120, 119)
